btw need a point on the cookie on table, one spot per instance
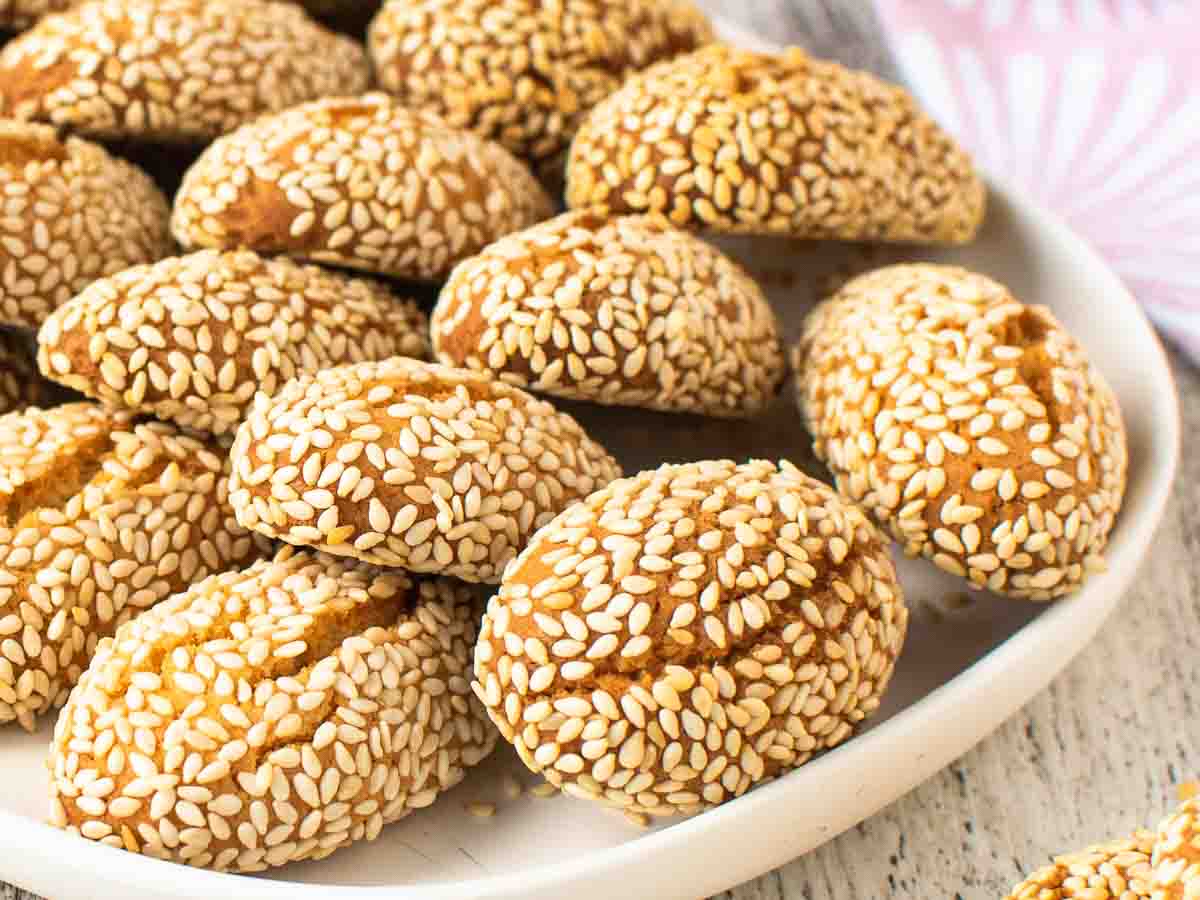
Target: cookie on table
(173, 70)
(272, 715)
(101, 517)
(72, 214)
(687, 633)
(21, 384)
(730, 140)
(192, 338)
(1176, 858)
(1115, 870)
(625, 311)
(524, 72)
(361, 182)
(970, 425)
(411, 464)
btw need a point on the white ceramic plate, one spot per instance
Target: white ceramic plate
(966, 668)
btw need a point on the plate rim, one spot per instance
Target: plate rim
(33, 845)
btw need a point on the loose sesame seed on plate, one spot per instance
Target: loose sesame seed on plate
(192, 338)
(229, 757)
(173, 70)
(972, 426)
(411, 464)
(625, 311)
(360, 182)
(730, 140)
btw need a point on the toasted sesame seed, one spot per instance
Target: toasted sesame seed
(173, 70)
(389, 658)
(454, 471)
(481, 810)
(521, 72)
(986, 513)
(73, 213)
(421, 195)
(257, 322)
(802, 141)
(1176, 856)
(652, 737)
(679, 325)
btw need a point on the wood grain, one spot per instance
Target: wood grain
(1092, 757)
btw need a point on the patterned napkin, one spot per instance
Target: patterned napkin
(1092, 107)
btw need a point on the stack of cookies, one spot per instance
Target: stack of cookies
(303, 545)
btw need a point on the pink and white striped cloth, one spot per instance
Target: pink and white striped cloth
(1091, 107)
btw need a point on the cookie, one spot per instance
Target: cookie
(18, 14)
(358, 182)
(524, 72)
(971, 426)
(173, 70)
(191, 338)
(412, 464)
(271, 715)
(1176, 858)
(730, 140)
(625, 311)
(72, 214)
(101, 517)
(687, 633)
(1116, 870)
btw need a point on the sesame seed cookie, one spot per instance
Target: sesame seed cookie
(524, 72)
(271, 715)
(360, 182)
(412, 464)
(18, 14)
(626, 311)
(1116, 870)
(100, 518)
(192, 338)
(689, 632)
(970, 425)
(72, 214)
(736, 141)
(173, 70)
(1176, 858)
(21, 384)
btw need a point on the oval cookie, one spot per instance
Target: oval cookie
(100, 518)
(1115, 870)
(412, 464)
(689, 632)
(626, 311)
(173, 70)
(970, 425)
(524, 72)
(74, 214)
(191, 338)
(359, 182)
(730, 140)
(271, 715)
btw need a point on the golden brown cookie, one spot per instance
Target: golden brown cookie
(1176, 858)
(1116, 870)
(73, 214)
(100, 518)
(689, 632)
(412, 464)
(271, 715)
(17, 14)
(731, 140)
(361, 182)
(173, 70)
(626, 311)
(192, 338)
(524, 72)
(971, 426)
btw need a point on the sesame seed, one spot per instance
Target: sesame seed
(1120, 870)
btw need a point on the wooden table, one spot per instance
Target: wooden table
(1094, 756)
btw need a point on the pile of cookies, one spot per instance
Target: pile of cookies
(299, 546)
